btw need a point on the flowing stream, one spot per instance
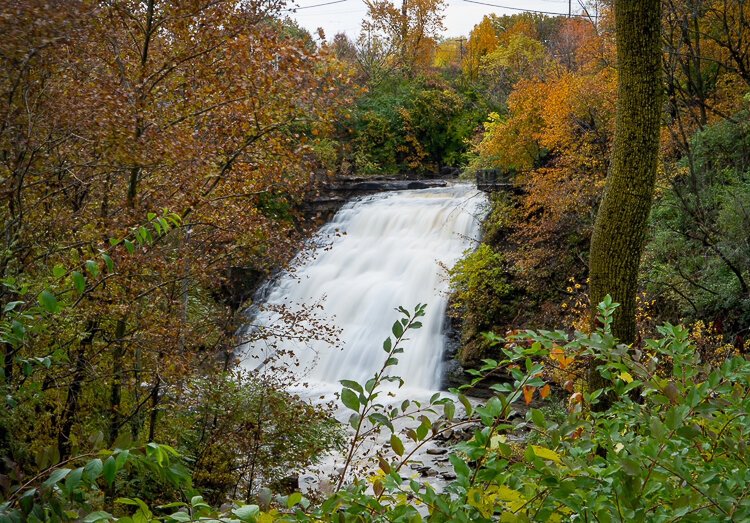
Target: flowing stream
(378, 253)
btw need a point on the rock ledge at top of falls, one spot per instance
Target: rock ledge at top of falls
(348, 186)
(331, 194)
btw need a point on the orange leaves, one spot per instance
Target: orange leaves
(513, 142)
(482, 40)
(545, 391)
(556, 135)
(558, 355)
(529, 391)
(528, 394)
(205, 116)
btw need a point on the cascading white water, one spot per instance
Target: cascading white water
(377, 253)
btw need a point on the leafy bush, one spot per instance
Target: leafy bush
(671, 447)
(80, 486)
(699, 258)
(245, 432)
(411, 125)
(481, 297)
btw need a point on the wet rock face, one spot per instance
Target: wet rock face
(454, 375)
(240, 284)
(286, 485)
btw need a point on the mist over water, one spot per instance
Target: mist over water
(376, 254)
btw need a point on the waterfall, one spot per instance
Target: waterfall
(378, 253)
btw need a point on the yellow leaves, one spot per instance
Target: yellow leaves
(487, 501)
(496, 440)
(512, 142)
(482, 40)
(626, 377)
(508, 495)
(482, 501)
(521, 57)
(268, 517)
(546, 454)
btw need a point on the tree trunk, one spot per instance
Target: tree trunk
(115, 416)
(619, 231)
(135, 171)
(70, 411)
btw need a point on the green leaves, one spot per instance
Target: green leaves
(350, 400)
(73, 480)
(79, 282)
(97, 516)
(108, 262)
(397, 329)
(468, 407)
(57, 475)
(460, 466)
(247, 513)
(397, 445)
(293, 499)
(65, 488)
(52, 299)
(109, 470)
(48, 301)
(58, 271)
(352, 385)
(449, 410)
(92, 267)
(537, 416)
(92, 470)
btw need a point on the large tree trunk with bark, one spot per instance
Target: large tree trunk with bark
(619, 231)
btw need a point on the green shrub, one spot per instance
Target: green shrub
(481, 297)
(411, 125)
(671, 447)
(479, 282)
(245, 432)
(698, 261)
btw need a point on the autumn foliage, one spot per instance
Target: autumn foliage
(555, 83)
(111, 114)
(552, 135)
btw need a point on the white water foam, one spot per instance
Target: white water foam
(377, 253)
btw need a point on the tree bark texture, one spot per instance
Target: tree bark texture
(620, 227)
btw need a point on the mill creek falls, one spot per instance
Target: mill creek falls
(378, 252)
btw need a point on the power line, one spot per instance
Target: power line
(525, 10)
(295, 9)
(359, 11)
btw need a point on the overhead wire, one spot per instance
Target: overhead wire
(527, 10)
(295, 9)
(359, 11)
